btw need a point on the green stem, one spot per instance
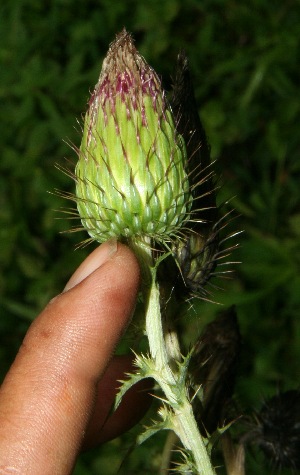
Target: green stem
(191, 438)
(184, 422)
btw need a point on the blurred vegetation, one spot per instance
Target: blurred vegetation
(244, 58)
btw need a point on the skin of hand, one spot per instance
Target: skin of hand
(58, 393)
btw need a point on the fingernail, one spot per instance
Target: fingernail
(95, 260)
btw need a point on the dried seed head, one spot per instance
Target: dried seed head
(278, 430)
(214, 366)
(131, 178)
(197, 253)
(199, 249)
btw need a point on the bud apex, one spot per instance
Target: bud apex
(131, 177)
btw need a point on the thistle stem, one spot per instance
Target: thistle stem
(174, 388)
(191, 438)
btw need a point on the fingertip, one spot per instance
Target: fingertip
(105, 252)
(95, 260)
(127, 259)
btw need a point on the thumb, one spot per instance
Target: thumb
(48, 395)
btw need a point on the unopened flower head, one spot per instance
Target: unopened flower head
(131, 177)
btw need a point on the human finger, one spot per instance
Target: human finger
(47, 397)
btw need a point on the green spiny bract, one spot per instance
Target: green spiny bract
(131, 177)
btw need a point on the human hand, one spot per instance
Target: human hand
(58, 393)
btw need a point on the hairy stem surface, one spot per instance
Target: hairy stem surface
(173, 386)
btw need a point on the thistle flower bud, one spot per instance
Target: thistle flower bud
(131, 178)
(197, 257)
(198, 252)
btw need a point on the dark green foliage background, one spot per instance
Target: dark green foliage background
(245, 62)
